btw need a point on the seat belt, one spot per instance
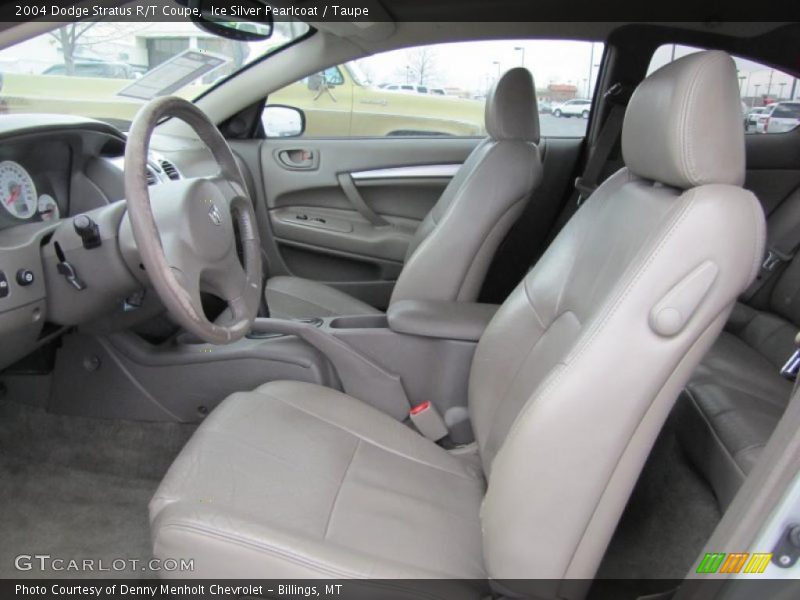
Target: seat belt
(587, 183)
(783, 246)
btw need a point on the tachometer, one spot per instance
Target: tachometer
(17, 192)
(48, 208)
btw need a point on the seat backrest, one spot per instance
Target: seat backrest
(575, 375)
(781, 295)
(455, 243)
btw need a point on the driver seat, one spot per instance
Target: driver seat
(570, 385)
(451, 250)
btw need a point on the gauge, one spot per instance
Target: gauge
(48, 208)
(17, 192)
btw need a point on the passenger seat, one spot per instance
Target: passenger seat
(734, 400)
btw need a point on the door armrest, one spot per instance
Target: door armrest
(441, 319)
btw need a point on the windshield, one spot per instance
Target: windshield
(106, 70)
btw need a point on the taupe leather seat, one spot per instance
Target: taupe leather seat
(730, 408)
(736, 397)
(452, 248)
(570, 384)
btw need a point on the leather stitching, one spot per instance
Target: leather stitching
(714, 434)
(687, 156)
(361, 437)
(589, 337)
(245, 542)
(303, 560)
(339, 489)
(614, 471)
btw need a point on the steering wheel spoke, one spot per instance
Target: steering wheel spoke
(190, 286)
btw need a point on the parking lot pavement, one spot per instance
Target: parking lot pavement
(563, 127)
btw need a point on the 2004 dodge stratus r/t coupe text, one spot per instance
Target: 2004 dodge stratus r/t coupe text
(347, 307)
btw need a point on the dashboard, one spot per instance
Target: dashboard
(50, 171)
(33, 182)
(52, 168)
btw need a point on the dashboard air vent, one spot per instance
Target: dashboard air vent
(152, 178)
(169, 169)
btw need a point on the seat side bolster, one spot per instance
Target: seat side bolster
(255, 549)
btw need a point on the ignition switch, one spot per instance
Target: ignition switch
(88, 230)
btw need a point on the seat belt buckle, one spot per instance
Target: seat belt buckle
(428, 421)
(773, 259)
(584, 190)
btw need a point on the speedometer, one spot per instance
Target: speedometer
(17, 192)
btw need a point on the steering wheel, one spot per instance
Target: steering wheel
(186, 230)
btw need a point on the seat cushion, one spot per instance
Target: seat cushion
(298, 298)
(728, 411)
(294, 480)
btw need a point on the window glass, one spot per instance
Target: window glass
(441, 89)
(94, 68)
(770, 98)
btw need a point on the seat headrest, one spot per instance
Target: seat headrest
(511, 110)
(683, 126)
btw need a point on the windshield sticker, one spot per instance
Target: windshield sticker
(173, 74)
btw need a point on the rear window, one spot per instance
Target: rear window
(759, 87)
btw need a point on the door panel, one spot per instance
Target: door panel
(311, 228)
(348, 221)
(343, 230)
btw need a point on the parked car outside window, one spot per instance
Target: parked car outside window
(574, 108)
(781, 117)
(751, 118)
(769, 96)
(103, 69)
(439, 90)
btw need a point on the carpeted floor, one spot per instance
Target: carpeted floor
(670, 516)
(74, 487)
(78, 488)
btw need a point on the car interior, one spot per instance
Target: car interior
(408, 358)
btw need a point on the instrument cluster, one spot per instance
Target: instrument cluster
(34, 181)
(19, 197)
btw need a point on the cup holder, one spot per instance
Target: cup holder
(359, 322)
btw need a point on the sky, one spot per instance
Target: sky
(754, 79)
(470, 65)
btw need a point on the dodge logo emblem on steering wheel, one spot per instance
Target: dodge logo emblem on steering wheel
(214, 214)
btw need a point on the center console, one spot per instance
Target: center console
(420, 351)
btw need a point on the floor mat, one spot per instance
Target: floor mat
(78, 488)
